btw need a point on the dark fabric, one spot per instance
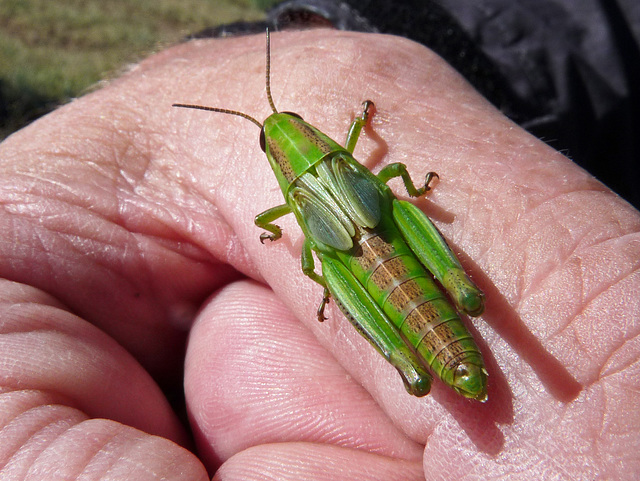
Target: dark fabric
(568, 71)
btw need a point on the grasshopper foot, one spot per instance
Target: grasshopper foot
(264, 236)
(366, 106)
(428, 179)
(325, 300)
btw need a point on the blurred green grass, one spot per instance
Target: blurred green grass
(53, 50)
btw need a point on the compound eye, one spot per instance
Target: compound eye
(293, 114)
(263, 142)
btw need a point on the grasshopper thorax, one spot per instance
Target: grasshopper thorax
(293, 146)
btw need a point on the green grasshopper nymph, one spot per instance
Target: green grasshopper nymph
(379, 255)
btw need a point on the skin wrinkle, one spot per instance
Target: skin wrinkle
(539, 281)
(602, 376)
(126, 147)
(622, 365)
(596, 377)
(71, 198)
(582, 186)
(35, 438)
(89, 458)
(600, 423)
(128, 144)
(319, 427)
(589, 302)
(298, 460)
(103, 448)
(607, 287)
(124, 179)
(45, 264)
(75, 243)
(71, 238)
(552, 267)
(53, 373)
(130, 188)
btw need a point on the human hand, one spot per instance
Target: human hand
(127, 224)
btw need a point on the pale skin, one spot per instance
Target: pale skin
(127, 230)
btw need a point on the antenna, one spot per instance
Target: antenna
(268, 75)
(236, 112)
(222, 111)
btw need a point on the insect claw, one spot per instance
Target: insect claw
(325, 300)
(264, 236)
(366, 105)
(427, 180)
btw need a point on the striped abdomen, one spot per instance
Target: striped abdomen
(407, 293)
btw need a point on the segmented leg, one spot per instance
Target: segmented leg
(308, 268)
(326, 296)
(265, 219)
(400, 170)
(356, 126)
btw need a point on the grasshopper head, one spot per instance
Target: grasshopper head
(270, 124)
